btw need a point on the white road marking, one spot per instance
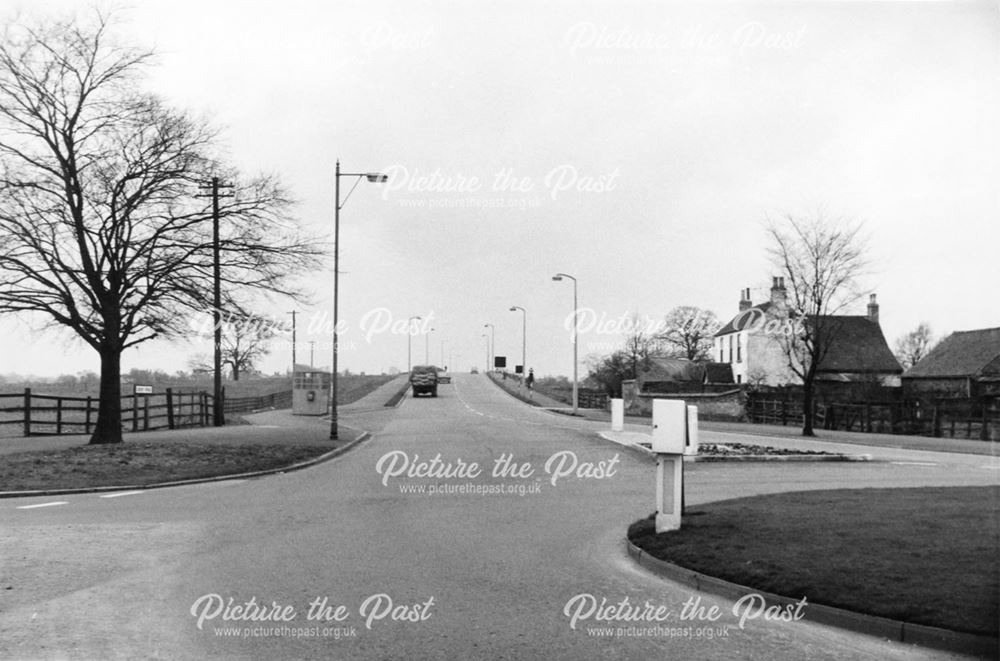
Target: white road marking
(52, 504)
(121, 493)
(913, 463)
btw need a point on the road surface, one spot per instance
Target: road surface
(354, 559)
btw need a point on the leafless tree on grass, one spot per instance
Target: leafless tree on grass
(820, 259)
(102, 229)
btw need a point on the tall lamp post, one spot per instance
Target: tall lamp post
(486, 371)
(409, 342)
(491, 356)
(558, 277)
(374, 177)
(427, 347)
(524, 339)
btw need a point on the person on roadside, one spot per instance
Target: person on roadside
(530, 382)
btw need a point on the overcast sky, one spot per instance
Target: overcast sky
(637, 146)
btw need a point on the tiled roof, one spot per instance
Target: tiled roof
(719, 373)
(672, 369)
(744, 319)
(963, 353)
(858, 345)
(680, 370)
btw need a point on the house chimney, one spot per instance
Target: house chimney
(778, 292)
(745, 302)
(872, 309)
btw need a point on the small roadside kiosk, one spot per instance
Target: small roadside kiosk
(310, 390)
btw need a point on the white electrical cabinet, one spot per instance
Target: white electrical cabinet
(670, 418)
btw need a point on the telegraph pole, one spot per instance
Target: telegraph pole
(293, 313)
(218, 415)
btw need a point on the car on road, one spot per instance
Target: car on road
(443, 377)
(424, 380)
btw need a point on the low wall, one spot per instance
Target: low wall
(727, 406)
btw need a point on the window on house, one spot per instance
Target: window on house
(739, 378)
(739, 348)
(722, 351)
(730, 348)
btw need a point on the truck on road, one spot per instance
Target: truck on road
(424, 380)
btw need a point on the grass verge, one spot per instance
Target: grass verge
(926, 556)
(139, 463)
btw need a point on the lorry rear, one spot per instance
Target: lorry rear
(424, 380)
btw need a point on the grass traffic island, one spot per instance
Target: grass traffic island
(138, 463)
(926, 556)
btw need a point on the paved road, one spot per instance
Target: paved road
(486, 576)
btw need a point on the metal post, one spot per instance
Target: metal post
(409, 342)
(576, 388)
(336, 286)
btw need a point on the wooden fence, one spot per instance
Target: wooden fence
(274, 400)
(948, 419)
(31, 414)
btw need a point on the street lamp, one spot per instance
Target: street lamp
(373, 177)
(427, 347)
(409, 343)
(491, 357)
(524, 339)
(486, 371)
(558, 278)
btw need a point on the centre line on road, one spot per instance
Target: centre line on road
(913, 463)
(31, 507)
(120, 494)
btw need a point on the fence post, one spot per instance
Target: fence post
(135, 411)
(145, 413)
(936, 422)
(984, 429)
(86, 419)
(58, 416)
(27, 411)
(170, 408)
(784, 413)
(223, 405)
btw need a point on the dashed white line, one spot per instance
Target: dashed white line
(37, 505)
(121, 493)
(913, 463)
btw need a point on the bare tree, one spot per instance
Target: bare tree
(820, 260)
(913, 346)
(244, 342)
(102, 229)
(689, 332)
(639, 345)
